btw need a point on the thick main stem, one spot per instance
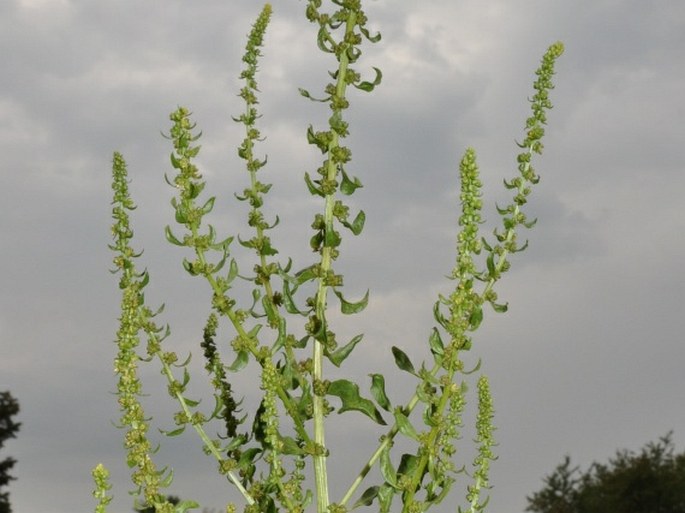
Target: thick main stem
(320, 470)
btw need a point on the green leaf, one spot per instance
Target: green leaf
(306, 274)
(499, 308)
(404, 425)
(348, 186)
(232, 271)
(436, 344)
(171, 238)
(348, 307)
(288, 301)
(240, 361)
(490, 262)
(373, 39)
(313, 189)
(403, 361)
(174, 432)
(348, 393)
(369, 86)
(306, 94)
(317, 139)
(378, 391)
(248, 455)
(192, 403)
(476, 318)
(387, 470)
(331, 239)
(408, 464)
(269, 309)
(385, 495)
(367, 497)
(439, 318)
(184, 506)
(166, 481)
(466, 373)
(290, 446)
(338, 356)
(357, 225)
(188, 266)
(304, 403)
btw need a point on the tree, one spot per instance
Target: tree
(8, 428)
(651, 481)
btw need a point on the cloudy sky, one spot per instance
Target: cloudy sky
(588, 359)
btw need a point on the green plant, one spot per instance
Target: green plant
(285, 325)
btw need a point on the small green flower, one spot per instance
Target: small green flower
(102, 486)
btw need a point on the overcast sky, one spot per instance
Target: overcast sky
(588, 359)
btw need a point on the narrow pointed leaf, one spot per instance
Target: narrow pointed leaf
(404, 425)
(313, 189)
(289, 302)
(367, 497)
(171, 237)
(387, 469)
(174, 432)
(232, 271)
(378, 391)
(339, 355)
(403, 361)
(436, 344)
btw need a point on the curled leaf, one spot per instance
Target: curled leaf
(338, 356)
(348, 393)
(378, 391)
(348, 307)
(367, 497)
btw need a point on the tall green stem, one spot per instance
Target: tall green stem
(321, 475)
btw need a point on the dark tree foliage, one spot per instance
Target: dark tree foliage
(8, 429)
(651, 481)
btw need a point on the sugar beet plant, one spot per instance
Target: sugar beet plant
(271, 455)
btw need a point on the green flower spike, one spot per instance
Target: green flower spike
(485, 439)
(102, 486)
(134, 317)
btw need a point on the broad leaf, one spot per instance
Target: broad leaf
(348, 393)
